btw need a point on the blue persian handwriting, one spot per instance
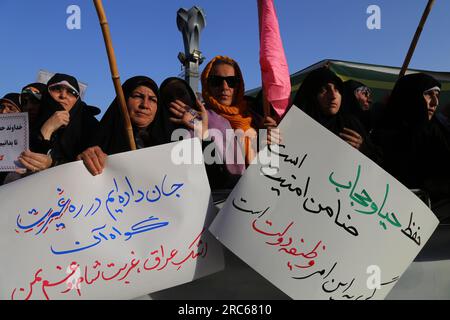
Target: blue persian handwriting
(64, 205)
(136, 196)
(42, 224)
(365, 200)
(99, 234)
(120, 199)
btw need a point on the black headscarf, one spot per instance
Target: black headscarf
(350, 101)
(306, 100)
(36, 91)
(69, 141)
(412, 146)
(13, 98)
(40, 87)
(406, 105)
(112, 137)
(351, 104)
(306, 97)
(172, 89)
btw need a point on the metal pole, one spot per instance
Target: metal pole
(190, 24)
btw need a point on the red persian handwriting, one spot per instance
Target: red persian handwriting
(304, 258)
(157, 260)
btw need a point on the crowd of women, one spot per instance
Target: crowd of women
(410, 140)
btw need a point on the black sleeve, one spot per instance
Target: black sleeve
(368, 148)
(218, 175)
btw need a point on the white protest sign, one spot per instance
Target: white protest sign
(13, 139)
(137, 228)
(328, 223)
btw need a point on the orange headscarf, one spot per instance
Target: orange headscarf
(236, 114)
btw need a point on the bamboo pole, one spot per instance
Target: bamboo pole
(114, 72)
(416, 38)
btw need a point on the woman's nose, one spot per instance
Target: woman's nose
(225, 85)
(146, 104)
(332, 94)
(435, 101)
(63, 94)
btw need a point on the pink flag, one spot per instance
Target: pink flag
(274, 68)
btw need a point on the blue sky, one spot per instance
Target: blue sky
(147, 41)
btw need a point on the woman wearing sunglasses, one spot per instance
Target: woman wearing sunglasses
(30, 99)
(223, 92)
(221, 167)
(64, 126)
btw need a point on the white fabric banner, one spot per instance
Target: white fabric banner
(322, 221)
(139, 227)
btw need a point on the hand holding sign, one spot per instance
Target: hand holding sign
(35, 161)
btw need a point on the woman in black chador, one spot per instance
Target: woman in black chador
(320, 96)
(150, 124)
(64, 125)
(416, 151)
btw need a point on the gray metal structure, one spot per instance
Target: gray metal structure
(191, 23)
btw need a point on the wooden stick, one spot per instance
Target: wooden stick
(416, 38)
(114, 72)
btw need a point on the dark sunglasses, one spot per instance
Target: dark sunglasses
(217, 81)
(30, 92)
(59, 88)
(27, 97)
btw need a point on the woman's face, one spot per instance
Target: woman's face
(64, 95)
(177, 90)
(329, 99)
(142, 106)
(364, 98)
(432, 101)
(223, 83)
(30, 105)
(8, 107)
